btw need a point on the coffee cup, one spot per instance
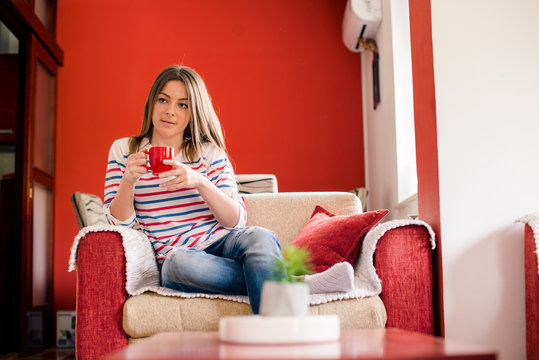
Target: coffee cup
(157, 154)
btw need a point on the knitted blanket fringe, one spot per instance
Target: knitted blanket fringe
(533, 221)
(141, 266)
(142, 274)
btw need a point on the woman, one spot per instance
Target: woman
(192, 214)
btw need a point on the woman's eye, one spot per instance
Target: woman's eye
(162, 100)
(183, 106)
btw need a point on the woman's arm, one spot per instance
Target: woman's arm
(122, 206)
(225, 209)
(123, 170)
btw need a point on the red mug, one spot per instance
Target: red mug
(157, 154)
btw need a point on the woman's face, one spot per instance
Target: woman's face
(170, 115)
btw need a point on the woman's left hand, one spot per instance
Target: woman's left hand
(185, 177)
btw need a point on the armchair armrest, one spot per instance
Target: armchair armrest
(531, 276)
(403, 261)
(531, 280)
(101, 293)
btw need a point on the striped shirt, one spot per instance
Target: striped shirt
(173, 218)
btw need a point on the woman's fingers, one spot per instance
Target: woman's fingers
(138, 157)
(176, 173)
(174, 184)
(177, 168)
(184, 176)
(173, 163)
(136, 165)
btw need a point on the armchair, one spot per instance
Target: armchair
(108, 318)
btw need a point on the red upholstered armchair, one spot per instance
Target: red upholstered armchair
(531, 276)
(108, 317)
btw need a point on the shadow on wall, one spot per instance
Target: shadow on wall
(491, 273)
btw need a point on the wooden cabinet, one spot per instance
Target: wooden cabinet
(29, 60)
(11, 61)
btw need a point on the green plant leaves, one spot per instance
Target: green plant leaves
(295, 263)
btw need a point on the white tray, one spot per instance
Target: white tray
(256, 329)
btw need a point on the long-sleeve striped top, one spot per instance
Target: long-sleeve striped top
(173, 218)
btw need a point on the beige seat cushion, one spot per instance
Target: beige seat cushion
(150, 313)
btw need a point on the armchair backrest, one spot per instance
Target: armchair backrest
(287, 213)
(88, 209)
(284, 213)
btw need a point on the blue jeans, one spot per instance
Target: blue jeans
(236, 264)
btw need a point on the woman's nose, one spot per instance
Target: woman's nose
(170, 109)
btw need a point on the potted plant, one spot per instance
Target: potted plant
(285, 293)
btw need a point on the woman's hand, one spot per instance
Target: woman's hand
(185, 177)
(136, 166)
(224, 209)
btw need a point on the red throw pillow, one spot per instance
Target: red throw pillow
(335, 238)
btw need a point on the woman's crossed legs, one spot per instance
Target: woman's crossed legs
(236, 264)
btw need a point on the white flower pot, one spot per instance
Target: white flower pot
(284, 299)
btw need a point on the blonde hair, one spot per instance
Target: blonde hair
(204, 126)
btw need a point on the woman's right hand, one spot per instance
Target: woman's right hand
(136, 166)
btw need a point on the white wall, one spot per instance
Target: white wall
(379, 124)
(404, 101)
(389, 132)
(486, 66)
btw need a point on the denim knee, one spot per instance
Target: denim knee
(256, 237)
(172, 269)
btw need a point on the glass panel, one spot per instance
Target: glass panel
(9, 70)
(41, 245)
(44, 120)
(42, 10)
(9, 44)
(7, 159)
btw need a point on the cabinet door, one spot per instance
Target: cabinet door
(11, 74)
(37, 300)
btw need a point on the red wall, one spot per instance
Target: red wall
(287, 91)
(428, 187)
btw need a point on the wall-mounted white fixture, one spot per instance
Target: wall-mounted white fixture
(361, 21)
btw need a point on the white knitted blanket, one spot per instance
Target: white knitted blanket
(142, 273)
(533, 221)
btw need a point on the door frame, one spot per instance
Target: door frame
(36, 53)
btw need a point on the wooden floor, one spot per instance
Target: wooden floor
(52, 353)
